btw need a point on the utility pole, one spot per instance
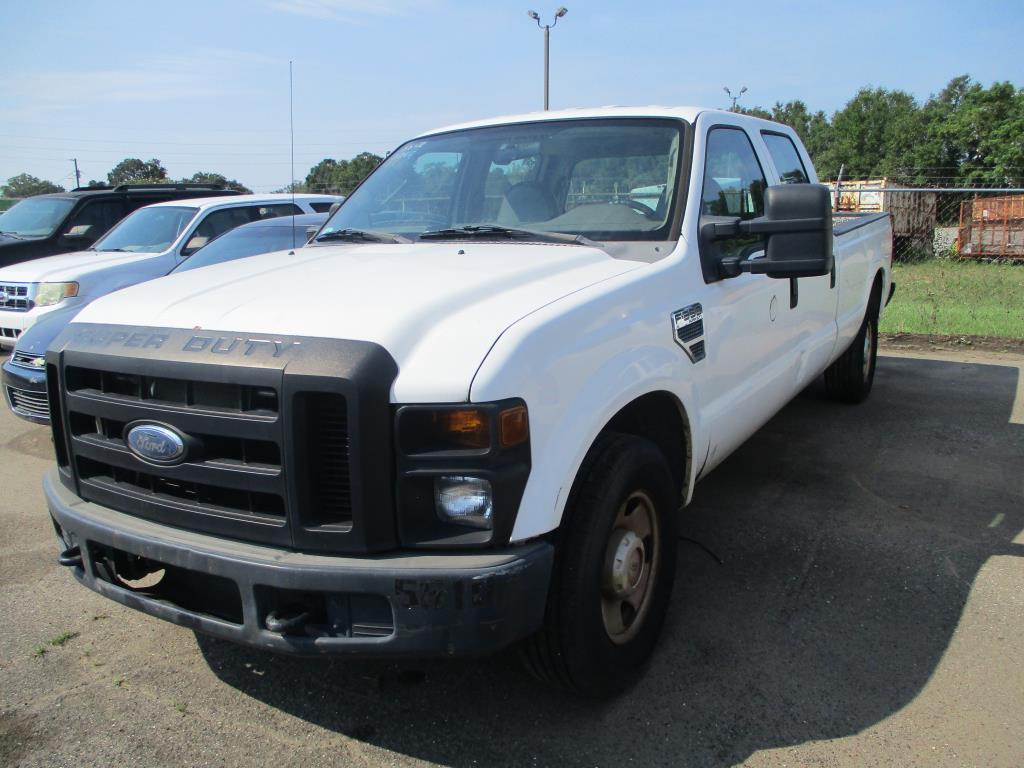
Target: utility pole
(736, 97)
(547, 44)
(78, 173)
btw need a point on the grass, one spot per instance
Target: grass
(959, 298)
(56, 641)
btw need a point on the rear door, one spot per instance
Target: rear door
(811, 307)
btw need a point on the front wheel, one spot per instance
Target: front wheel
(613, 571)
(849, 378)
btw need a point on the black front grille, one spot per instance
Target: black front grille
(205, 395)
(288, 440)
(198, 497)
(232, 481)
(327, 451)
(10, 333)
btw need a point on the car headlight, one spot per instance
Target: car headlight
(53, 293)
(464, 500)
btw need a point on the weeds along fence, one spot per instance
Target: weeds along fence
(980, 224)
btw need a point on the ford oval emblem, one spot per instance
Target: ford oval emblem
(156, 444)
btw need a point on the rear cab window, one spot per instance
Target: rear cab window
(785, 158)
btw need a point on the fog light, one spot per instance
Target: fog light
(464, 500)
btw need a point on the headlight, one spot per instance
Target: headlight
(53, 293)
(464, 500)
(461, 472)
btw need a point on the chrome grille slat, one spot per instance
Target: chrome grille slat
(15, 297)
(28, 403)
(24, 360)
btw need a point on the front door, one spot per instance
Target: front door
(748, 345)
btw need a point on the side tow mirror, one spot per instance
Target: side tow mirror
(797, 227)
(333, 209)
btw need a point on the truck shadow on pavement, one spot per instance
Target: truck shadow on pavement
(850, 537)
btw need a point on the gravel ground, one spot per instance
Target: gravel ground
(868, 610)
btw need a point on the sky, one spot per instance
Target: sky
(203, 86)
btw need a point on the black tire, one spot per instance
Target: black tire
(850, 377)
(574, 649)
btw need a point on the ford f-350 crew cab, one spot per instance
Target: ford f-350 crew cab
(467, 415)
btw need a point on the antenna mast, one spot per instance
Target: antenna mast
(291, 130)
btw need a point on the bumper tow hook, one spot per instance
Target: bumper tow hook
(286, 620)
(70, 557)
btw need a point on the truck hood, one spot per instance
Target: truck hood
(66, 267)
(436, 307)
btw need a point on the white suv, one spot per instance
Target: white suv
(147, 244)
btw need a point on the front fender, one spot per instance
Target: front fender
(576, 367)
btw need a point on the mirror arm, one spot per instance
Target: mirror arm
(762, 225)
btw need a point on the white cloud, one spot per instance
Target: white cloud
(205, 73)
(349, 10)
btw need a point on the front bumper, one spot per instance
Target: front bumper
(13, 324)
(25, 392)
(407, 604)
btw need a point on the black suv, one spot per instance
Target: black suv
(72, 221)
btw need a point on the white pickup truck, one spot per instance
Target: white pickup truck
(469, 414)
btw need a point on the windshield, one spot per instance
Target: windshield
(148, 230)
(608, 179)
(36, 216)
(246, 241)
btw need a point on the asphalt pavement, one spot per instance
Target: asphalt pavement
(851, 593)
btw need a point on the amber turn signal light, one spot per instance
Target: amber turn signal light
(513, 426)
(465, 428)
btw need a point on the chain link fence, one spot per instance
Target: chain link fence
(978, 224)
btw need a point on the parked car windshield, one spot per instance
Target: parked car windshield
(247, 241)
(606, 179)
(148, 230)
(35, 216)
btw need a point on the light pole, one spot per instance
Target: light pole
(736, 97)
(547, 43)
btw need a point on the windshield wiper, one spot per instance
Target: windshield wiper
(110, 250)
(354, 235)
(14, 235)
(493, 231)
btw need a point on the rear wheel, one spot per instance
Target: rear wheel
(613, 572)
(849, 379)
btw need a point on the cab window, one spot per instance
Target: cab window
(787, 160)
(734, 185)
(94, 219)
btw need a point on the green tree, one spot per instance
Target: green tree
(973, 134)
(813, 128)
(204, 177)
(340, 176)
(131, 170)
(24, 185)
(874, 135)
